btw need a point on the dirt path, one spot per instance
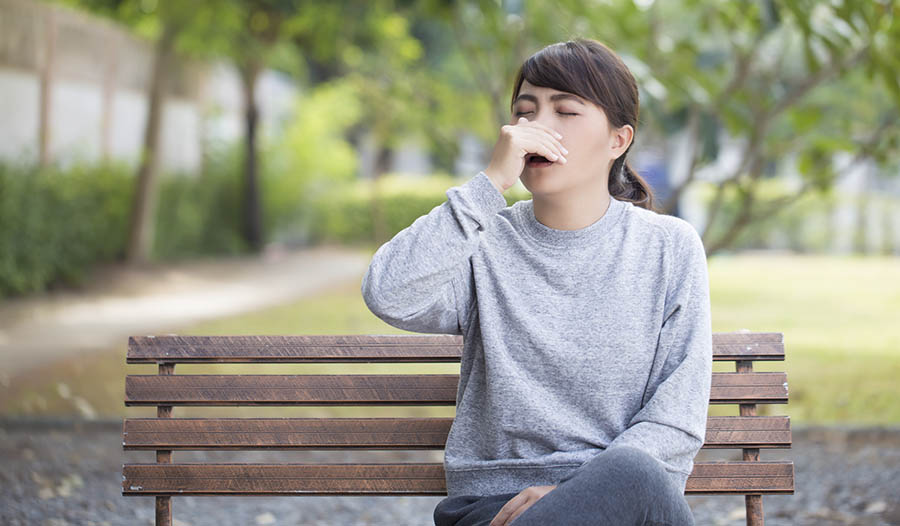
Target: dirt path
(117, 302)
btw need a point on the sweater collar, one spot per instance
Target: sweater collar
(586, 236)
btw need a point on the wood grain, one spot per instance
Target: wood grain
(378, 389)
(397, 479)
(380, 433)
(397, 348)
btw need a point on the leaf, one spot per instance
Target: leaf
(812, 63)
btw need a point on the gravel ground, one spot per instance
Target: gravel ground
(64, 473)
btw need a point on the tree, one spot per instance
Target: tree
(262, 26)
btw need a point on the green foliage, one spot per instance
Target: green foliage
(54, 224)
(200, 215)
(344, 212)
(311, 152)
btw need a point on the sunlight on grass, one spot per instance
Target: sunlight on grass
(839, 319)
(838, 315)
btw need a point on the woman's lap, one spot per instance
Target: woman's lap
(469, 510)
(622, 486)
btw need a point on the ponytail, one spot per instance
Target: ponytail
(626, 185)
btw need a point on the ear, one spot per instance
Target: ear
(620, 139)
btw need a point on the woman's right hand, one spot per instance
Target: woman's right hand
(515, 142)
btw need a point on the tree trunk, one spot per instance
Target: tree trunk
(252, 208)
(144, 204)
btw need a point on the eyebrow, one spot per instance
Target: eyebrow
(558, 96)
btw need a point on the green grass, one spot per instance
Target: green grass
(838, 316)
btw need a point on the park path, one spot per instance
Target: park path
(117, 301)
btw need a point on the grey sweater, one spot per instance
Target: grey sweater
(575, 341)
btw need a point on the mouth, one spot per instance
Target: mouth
(537, 161)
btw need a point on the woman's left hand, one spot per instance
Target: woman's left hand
(518, 504)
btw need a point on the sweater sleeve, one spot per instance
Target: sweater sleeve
(421, 280)
(671, 424)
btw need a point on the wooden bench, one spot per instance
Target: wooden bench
(164, 434)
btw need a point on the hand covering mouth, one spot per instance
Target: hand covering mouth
(533, 157)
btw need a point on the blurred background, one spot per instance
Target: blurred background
(230, 167)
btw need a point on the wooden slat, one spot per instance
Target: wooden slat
(379, 389)
(727, 346)
(741, 477)
(749, 388)
(748, 432)
(296, 349)
(310, 389)
(283, 479)
(381, 433)
(752, 346)
(287, 433)
(397, 479)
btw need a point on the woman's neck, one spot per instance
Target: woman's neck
(573, 211)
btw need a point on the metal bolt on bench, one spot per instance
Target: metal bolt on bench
(164, 434)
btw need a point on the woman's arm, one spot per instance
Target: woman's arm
(421, 279)
(671, 425)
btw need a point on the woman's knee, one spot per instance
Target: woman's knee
(630, 456)
(631, 467)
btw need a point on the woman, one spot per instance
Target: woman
(587, 357)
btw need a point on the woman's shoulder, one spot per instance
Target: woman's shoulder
(674, 228)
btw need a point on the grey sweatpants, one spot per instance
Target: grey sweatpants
(620, 487)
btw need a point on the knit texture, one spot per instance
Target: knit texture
(575, 341)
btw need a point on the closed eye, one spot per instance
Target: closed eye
(526, 112)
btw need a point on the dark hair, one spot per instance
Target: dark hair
(594, 72)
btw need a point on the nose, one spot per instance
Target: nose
(540, 116)
(546, 117)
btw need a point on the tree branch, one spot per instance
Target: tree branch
(775, 206)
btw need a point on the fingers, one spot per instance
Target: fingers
(550, 130)
(541, 146)
(558, 149)
(518, 512)
(526, 124)
(543, 131)
(504, 515)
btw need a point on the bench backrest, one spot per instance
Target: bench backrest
(165, 434)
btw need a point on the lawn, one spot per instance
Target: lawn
(838, 316)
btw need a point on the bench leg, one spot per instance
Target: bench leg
(755, 515)
(164, 504)
(753, 503)
(163, 511)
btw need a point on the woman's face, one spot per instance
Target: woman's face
(586, 134)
